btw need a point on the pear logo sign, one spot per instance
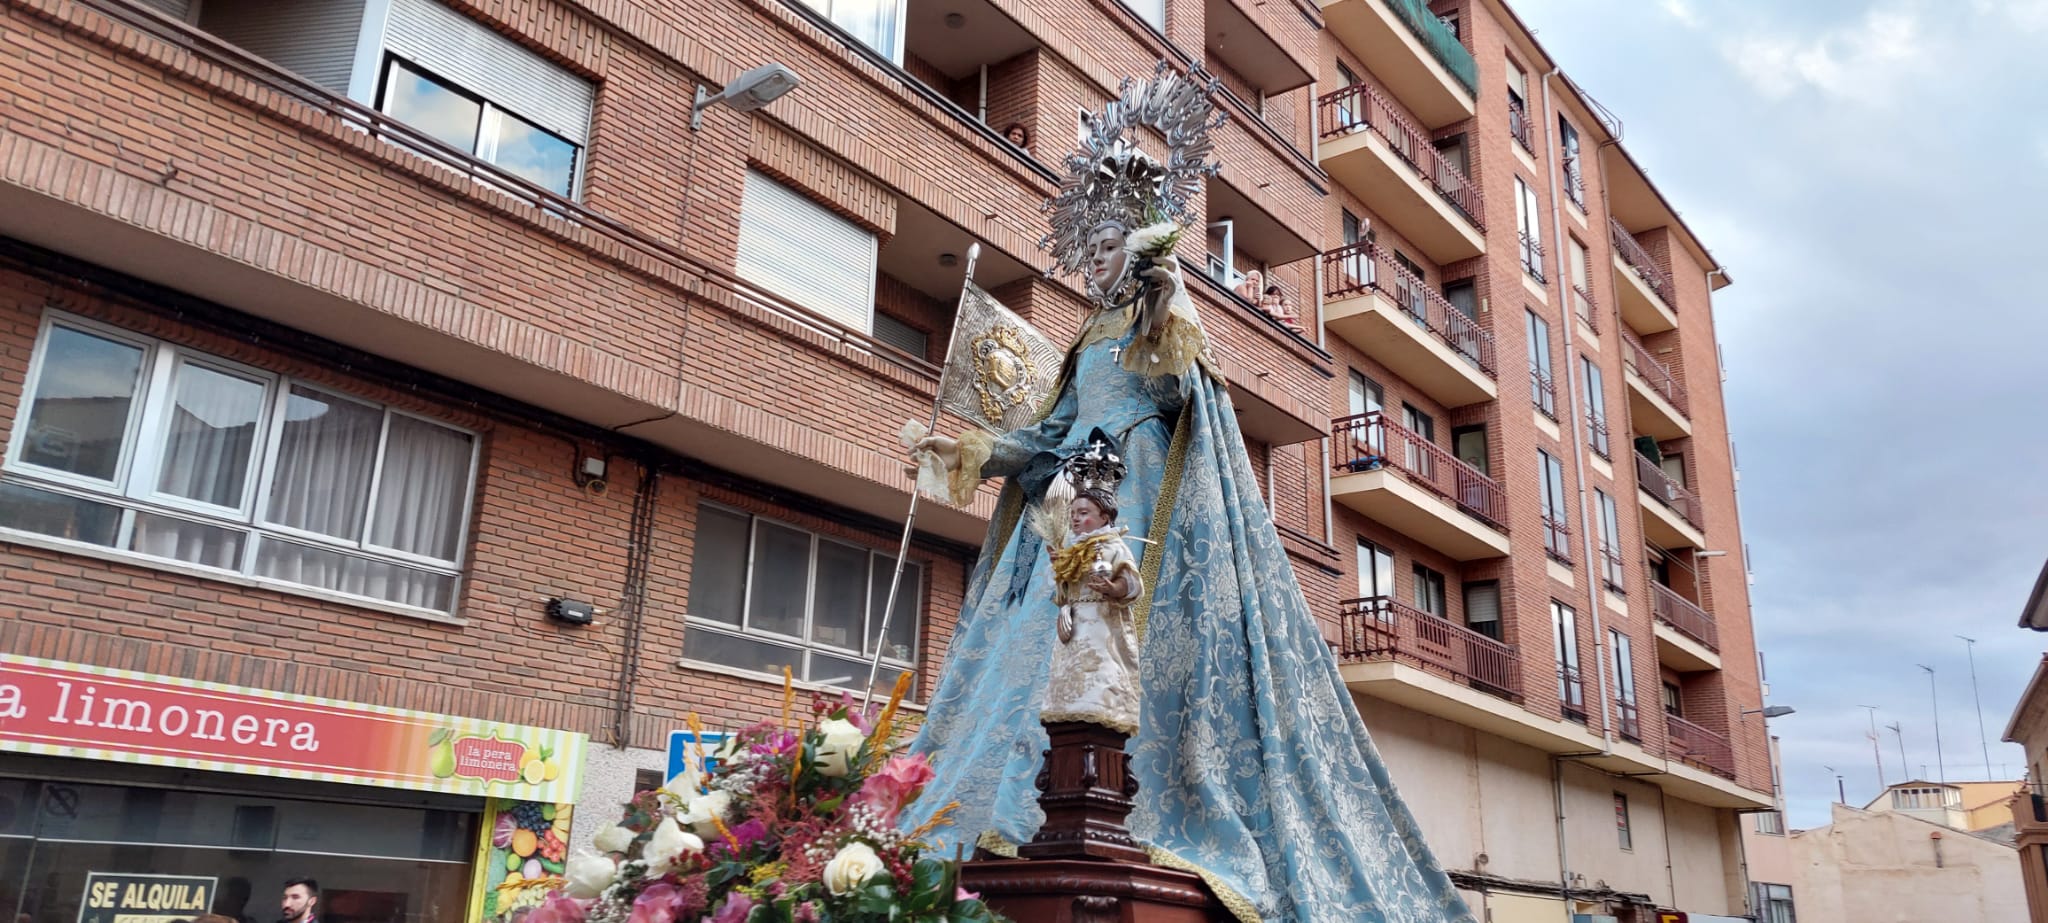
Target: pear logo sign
(121, 897)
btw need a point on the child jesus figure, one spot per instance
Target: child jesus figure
(1094, 662)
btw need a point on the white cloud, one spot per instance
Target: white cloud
(1682, 11)
(1856, 62)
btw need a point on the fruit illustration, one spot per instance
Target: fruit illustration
(501, 832)
(513, 878)
(512, 863)
(533, 772)
(442, 762)
(524, 843)
(551, 770)
(552, 846)
(531, 869)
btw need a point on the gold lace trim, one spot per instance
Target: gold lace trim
(1234, 902)
(1179, 344)
(995, 843)
(1129, 728)
(975, 448)
(1162, 512)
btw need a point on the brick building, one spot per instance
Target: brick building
(341, 338)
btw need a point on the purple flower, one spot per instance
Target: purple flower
(657, 904)
(735, 909)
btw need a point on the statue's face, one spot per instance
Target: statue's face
(1106, 258)
(1086, 516)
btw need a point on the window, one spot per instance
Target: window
(1347, 106)
(1450, 21)
(1419, 458)
(766, 594)
(1926, 797)
(1628, 843)
(1482, 608)
(902, 336)
(1429, 591)
(804, 252)
(1596, 409)
(1625, 684)
(1770, 823)
(1674, 701)
(471, 125)
(1464, 295)
(1576, 264)
(1354, 228)
(156, 450)
(1773, 902)
(1610, 544)
(1469, 444)
(1568, 148)
(1673, 466)
(878, 24)
(1518, 106)
(1556, 522)
(1571, 692)
(1367, 397)
(1151, 11)
(1541, 388)
(1529, 225)
(1375, 571)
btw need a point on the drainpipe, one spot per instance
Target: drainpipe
(1564, 865)
(1575, 426)
(981, 110)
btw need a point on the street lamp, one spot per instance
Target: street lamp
(1770, 711)
(747, 92)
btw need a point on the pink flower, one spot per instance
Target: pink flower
(559, 909)
(806, 912)
(959, 894)
(777, 745)
(735, 909)
(894, 785)
(657, 904)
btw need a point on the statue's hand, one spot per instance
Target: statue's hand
(945, 448)
(1165, 273)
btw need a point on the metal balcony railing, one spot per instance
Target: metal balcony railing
(1379, 628)
(1654, 373)
(1639, 260)
(1543, 392)
(1532, 255)
(1575, 182)
(1368, 441)
(1685, 615)
(1360, 107)
(1656, 483)
(1518, 123)
(1363, 266)
(1557, 538)
(1584, 305)
(1612, 571)
(1596, 434)
(1571, 693)
(1627, 722)
(1699, 746)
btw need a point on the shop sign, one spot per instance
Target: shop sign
(65, 709)
(119, 897)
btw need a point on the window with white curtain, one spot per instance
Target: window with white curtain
(765, 595)
(147, 448)
(878, 24)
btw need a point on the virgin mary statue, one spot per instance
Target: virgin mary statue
(1254, 768)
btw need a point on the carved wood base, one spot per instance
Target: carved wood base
(1086, 789)
(1091, 891)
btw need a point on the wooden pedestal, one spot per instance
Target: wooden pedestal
(1083, 866)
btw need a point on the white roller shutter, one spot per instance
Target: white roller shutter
(315, 39)
(801, 250)
(490, 65)
(180, 10)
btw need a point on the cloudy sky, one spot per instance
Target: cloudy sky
(1872, 174)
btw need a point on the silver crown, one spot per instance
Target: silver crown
(1096, 470)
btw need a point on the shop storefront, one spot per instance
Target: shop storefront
(149, 797)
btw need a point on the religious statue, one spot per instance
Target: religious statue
(1253, 768)
(1094, 674)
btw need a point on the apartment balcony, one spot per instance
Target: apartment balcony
(1238, 34)
(1687, 640)
(1412, 52)
(1628, 722)
(1698, 746)
(1646, 290)
(1417, 487)
(1557, 539)
(1518, 123)
(1381, 628)
(1392, 165)
(1657, 403)
(1671, 513)
(1402, 323)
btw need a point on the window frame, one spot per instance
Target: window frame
(489, 120)
(1429, 591)
(1371, 550)
(1571, 680)
(133, 490)
(1600, 440)
(804, 644)
(1623, 831)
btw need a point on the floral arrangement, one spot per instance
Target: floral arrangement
(791, 825)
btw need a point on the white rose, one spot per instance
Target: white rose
(703, 808)
(855, 864)
(613, 839)
(668, 845)
(588, 876)
(842, 741)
